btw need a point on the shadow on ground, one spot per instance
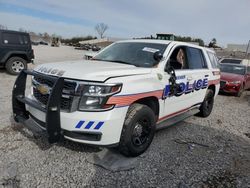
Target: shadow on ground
(187, 155)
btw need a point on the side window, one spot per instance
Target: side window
(213, 59)
(196, 58)
(178, 58)
(10, 38)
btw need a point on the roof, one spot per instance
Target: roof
(166, 42)
(147, 41)
(11, 31)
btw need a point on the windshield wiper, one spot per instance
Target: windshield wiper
(119, 61)
(115, 61)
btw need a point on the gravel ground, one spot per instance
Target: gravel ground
(198, 152)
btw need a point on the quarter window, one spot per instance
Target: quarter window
(213, 60)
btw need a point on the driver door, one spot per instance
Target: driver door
(192, 81)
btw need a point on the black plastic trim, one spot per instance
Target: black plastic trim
(52, 111)
(89, 136)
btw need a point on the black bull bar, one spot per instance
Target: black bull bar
(52, 109)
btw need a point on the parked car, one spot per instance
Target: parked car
(34, 43)
(122, 96)
(235, 78)
(95, 48)
(43, 43)
(15, 51)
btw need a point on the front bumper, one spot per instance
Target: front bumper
(97, 128)
(230, 88)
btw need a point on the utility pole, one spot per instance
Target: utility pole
(247, 49)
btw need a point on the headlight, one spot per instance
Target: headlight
(94, 97)
(235, 82)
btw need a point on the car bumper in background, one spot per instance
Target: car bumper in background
(229, 88)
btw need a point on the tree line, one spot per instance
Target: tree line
(101, 28)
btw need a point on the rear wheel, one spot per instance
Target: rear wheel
(15, 64)
(207, 105)
(138, 130)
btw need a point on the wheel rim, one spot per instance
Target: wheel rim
(141, 131)
(17, 66)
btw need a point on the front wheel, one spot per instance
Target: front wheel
(207, 105)
(138, 130)
(15, 64)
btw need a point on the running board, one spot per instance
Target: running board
(176, 119)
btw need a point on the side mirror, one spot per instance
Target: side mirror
(158, 56)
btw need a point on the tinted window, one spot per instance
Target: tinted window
(196, 59)
(213, 60)
(11, 38)
(233, 61)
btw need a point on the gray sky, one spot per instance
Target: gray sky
(226, 20)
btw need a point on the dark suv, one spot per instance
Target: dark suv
(15, 51)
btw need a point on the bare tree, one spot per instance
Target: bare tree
(101, 28)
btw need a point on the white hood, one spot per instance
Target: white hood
(90, 70)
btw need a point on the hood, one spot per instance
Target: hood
(231, 77)
(90, 70)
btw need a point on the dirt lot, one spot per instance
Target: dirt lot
(210, 152)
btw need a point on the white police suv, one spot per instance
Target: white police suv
(121, 96)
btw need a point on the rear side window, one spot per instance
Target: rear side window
(234, 61)
(196, 59)
(213, 59)
(15, 39)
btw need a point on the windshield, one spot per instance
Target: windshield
(233, 69)
(139, 54)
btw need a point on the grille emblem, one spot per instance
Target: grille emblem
(43, 89)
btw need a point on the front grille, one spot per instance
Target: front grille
(222, 84)
(66, 102)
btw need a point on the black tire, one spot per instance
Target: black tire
(207, 105)
(15, 64)
(240, 91)
(138, 130)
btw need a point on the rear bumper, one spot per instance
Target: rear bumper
(95, 128)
